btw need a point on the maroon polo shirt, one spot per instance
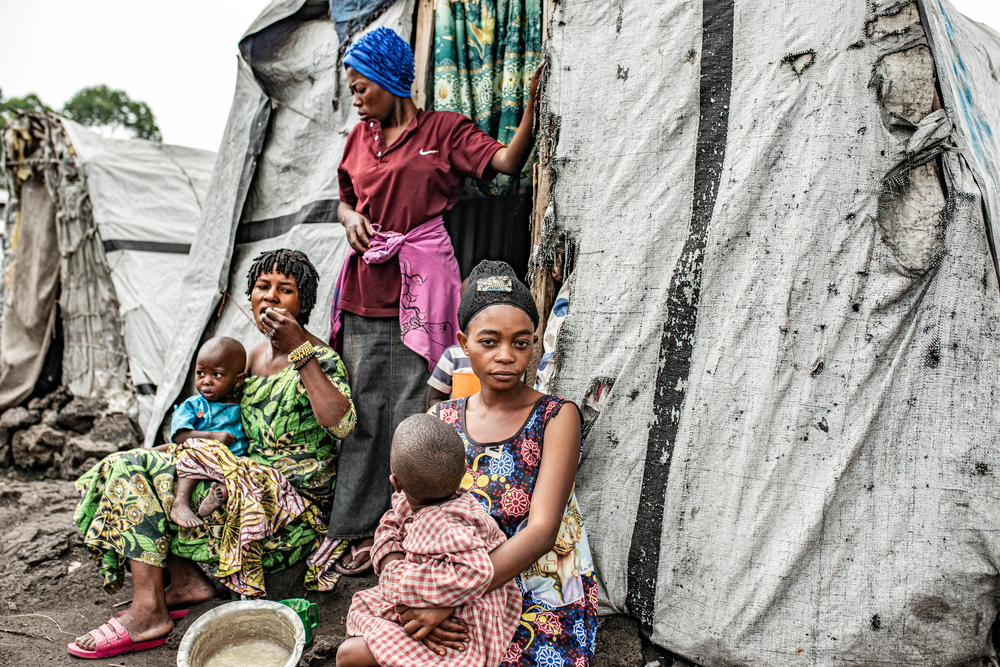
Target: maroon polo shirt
(402, 186)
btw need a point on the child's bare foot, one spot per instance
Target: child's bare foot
(216, 498)
(181, 514)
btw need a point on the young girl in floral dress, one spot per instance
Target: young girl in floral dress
(522, 450)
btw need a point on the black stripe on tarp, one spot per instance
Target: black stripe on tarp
(147, 246)
(677, 339)
(322, 210)
(146, 389)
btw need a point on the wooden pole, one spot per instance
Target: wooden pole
(423, 53)
(544, 273)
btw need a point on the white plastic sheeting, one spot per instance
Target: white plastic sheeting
(784, 276)
(275, 182)
(125, 214)
(146, 200)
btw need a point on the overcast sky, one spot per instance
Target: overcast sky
(177, 56)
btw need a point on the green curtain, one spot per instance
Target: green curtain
(484, 54)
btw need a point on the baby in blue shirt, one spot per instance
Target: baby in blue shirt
(212, 414)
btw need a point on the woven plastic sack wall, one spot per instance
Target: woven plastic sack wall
(784, 278)
(275, 181)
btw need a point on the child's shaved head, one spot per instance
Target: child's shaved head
(427, 458)
(227, 351)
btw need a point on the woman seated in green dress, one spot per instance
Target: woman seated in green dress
(295, 408)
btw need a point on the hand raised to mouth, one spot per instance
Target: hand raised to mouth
(285, 332)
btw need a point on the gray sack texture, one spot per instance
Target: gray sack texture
(784, 276)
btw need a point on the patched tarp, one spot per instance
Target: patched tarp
(122, 215)
(784, 277)
(146, 199)
(275, 182)
(33, 284)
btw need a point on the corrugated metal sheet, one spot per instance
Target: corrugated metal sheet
(496, 228)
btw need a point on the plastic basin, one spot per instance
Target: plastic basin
(238, 623)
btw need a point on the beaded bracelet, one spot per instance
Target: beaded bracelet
(299, 353)
(305, 360)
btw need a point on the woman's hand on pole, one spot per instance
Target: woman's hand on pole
(358, 227)
(533, 87)
(512, 158)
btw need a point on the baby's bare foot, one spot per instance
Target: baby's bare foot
(181, 514)
(216, 498)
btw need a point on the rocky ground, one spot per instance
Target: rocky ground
(61, 436)
(50, 591)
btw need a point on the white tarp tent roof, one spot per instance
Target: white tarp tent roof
(785, 278)
(142, 200)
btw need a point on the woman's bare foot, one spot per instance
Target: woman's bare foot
(357, 559)
(217, 497)
(140, 628)
(181, 514)
(189, 585)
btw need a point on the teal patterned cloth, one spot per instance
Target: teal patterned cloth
(485, 52)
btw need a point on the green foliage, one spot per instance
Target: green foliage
(10, 106)
(100, 106)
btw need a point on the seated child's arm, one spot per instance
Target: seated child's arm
(439, 383)
(225, 437)
(388, 543)
(435, 396)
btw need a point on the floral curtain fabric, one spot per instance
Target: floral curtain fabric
(484, 54)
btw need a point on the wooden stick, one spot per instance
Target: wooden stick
(543, 275)
(423, 52)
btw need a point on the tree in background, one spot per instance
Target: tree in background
(97, 106)
(10, 105)
(100, 106)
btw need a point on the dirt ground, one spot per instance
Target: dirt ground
(50, 592)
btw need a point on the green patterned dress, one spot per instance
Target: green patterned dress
(127, 496)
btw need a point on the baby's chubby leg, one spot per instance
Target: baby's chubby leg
(354, 652)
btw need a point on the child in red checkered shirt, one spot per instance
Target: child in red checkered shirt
(431, 550)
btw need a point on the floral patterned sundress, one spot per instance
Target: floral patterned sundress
(559, 592)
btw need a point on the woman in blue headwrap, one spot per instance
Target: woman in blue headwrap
(397, 296)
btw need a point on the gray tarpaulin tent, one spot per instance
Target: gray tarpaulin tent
(275, 183)
(101, 226)
(782, 217)
(785, 276)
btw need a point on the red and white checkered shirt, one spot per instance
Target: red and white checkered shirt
(446, 564)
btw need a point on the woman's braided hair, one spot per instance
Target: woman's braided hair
(291, 263)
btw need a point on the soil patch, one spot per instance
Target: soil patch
(50, 591)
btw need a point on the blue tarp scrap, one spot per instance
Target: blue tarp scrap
(353, 15)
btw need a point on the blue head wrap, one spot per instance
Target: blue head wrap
(383, 58)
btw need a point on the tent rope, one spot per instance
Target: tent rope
(225, 295)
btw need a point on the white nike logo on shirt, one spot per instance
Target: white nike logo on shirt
(423, 152)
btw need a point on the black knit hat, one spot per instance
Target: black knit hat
(491, 284)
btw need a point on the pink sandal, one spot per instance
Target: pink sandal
(357, 571)
(113, 639)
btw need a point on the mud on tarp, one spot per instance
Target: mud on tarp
(783, 274)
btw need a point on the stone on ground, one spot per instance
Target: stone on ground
(81, 453)
(80, 413)
(35, 447)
